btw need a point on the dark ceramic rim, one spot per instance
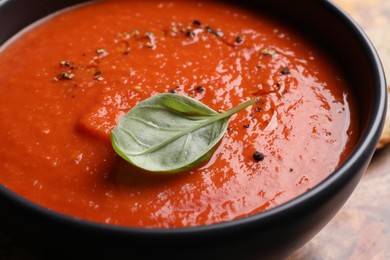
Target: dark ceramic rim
(364, 149)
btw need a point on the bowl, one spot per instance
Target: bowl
(273, 234)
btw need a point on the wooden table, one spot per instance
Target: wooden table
(361, 230)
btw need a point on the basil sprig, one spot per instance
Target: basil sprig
(170, 133)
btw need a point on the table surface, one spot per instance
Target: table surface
(361, 230)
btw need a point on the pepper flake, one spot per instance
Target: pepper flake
(258, 156)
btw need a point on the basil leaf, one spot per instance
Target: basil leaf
(170, 132)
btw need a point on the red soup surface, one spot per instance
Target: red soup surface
(66, 81)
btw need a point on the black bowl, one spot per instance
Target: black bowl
(275, 233)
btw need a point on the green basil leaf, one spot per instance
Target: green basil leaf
(170, 133)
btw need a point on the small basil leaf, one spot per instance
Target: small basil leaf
(170, 133)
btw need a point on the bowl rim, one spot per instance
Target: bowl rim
(364, 148)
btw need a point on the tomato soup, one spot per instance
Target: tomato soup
(66, 81)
